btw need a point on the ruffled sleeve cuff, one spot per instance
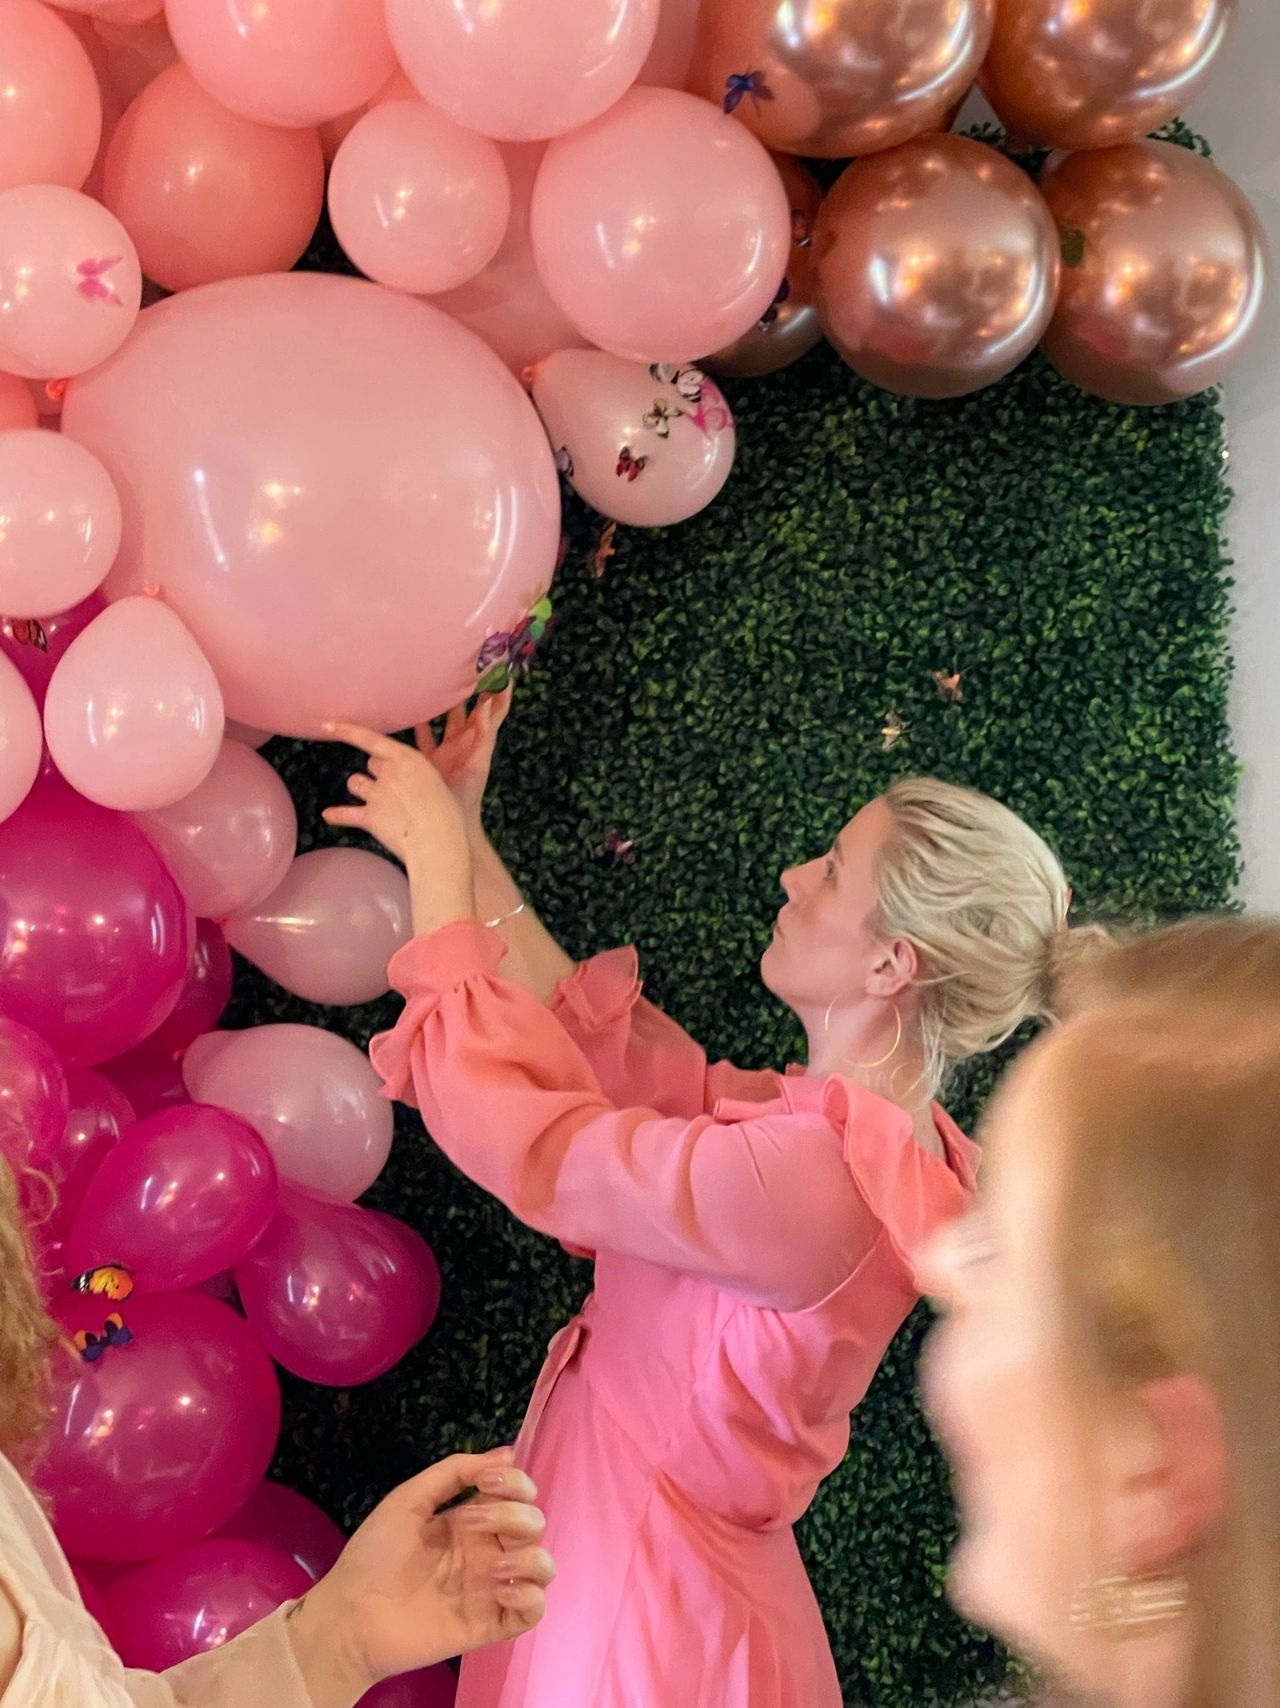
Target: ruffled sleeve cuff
(599, 993)
(423, 971)
(258, 1667)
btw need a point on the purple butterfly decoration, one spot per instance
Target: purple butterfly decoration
(739, 84)
(94, 286)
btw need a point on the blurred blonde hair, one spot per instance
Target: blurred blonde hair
(27, 1336)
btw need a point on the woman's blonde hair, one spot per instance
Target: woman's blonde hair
(983, 900)
(27, 1336)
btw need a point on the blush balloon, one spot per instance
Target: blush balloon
(51, 114)
(59, 523)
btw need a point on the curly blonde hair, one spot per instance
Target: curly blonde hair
(28, 1337)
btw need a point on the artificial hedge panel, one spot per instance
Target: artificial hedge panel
(724, 695)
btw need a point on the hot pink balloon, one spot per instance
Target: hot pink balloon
(93, 1598)
(277, 1517)
(94, 936)
(313, 1097)
(133, 716)
(17, 406)
(33, 1096)
(97, 1115)
(506, 303)
(151, 1082)
(328, 931)
(232, 839)
(662, 230)
(647, 445)
(335, 1295)
(417, 202)
(36, 644)
(198, 1599)
(312, 453)
(522, 72)
(59, 522)
(203, 997)
(21, 745)
(434, 1687)
(158, 1441)
(290, 63)
(50, 114)
(206, 194)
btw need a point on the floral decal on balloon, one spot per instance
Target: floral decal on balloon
(743, 85)
(94, 285)
(509, 651)
(564, 462)
(92, 1347)
(630, 467)
(688, 380)
(28, 632)
(658, 419)
(108, 1281)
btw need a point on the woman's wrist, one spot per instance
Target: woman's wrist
(328, 1656)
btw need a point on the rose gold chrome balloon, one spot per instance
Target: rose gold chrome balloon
(1090, 73)
(789, 327)
(937, 267)
(1165, 272)
(837, 77)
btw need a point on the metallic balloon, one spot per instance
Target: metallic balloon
(1164, 275)
(937, 267)
(837, 77)
(1090, 73)
(788, 329)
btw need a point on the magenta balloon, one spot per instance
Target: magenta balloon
(339, 546)
(204, 995)
(198, 1599)
(336, 1295)
(156, 1444)
(435, 1687)
(93, 1598)
(35, 644)
(99, 1112)
(183, 1196)
(231, 840)
(149, 1081)
(21, 746)
(328, 931)
(94, 937)
(278, 1518)
(313, 1097)
(33, 1097)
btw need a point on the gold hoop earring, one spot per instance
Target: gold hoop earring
(865, 1067)
(1120, 1606)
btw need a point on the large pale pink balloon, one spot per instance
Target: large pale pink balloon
(645, 445)
(507, 303)
(417, 202)
(70, 284)
(363, 499)
(20, 739)
(50, 111)
(231, 840)
(206, 194)
(329, 929)
(522, 72)
(313, 1097)
(17, 406)
(133, 716)
(284, 62)
(278, 1517)
(59, 523)
(662, 230)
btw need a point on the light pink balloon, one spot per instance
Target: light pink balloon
(311, 1094)
(506, 303)
(246, 734)
(206, 194)
(361, 502)
(662, 230)
(279, 1518)
(327, 932)
(70, 284)
(231, 840)
(113, 106)
(133, 716)
(50, 111)
(417, 202)
(17, 405)
(135, 53)
(645, 445)
(670, 58)
(522, 72)
(21, 744)
(125, 12)
(334, 132)
(293, 62)
(59, 523)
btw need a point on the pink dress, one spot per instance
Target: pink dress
(753, 1236)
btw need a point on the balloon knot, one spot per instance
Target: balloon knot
(529, 375)
(56, 390)
(151, 590)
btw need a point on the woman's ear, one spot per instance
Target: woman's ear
(893, 968)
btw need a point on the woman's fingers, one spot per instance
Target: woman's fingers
(508, 1520)
(456, 723)
(347, 818)
(367, 740)
(525, 1565)
(524, 1602)
(359, 785)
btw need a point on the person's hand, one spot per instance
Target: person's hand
(464, 754)
(416, 1585)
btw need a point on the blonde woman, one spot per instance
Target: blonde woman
(1107, 1377)
(752, 1231)
(412, 1586)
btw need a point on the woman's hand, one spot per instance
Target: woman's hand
(416, 1585)
(464, 754)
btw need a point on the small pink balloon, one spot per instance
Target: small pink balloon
(97, 1115)
(645, 445)
(206, 194)
(670, 60)
(506, 303)
(198, 1599)
(135, 53)
(335, 1295)
(50, 112)
(662, 230)
(33, 1097)
(17, 405)
(36, 644)
(70, 284)
(164, 1431)
(21, 745)
(277, 1517)
(94, 937)
(59, 523)
(290, 63)
(435, 1687)
(232, 839)
(313, 1097)
(335, 131)
(328, 931)
(151, 1082)
(522, 72)
(134, 716)
(417, 202)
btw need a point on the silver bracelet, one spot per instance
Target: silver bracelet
(503, 918)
